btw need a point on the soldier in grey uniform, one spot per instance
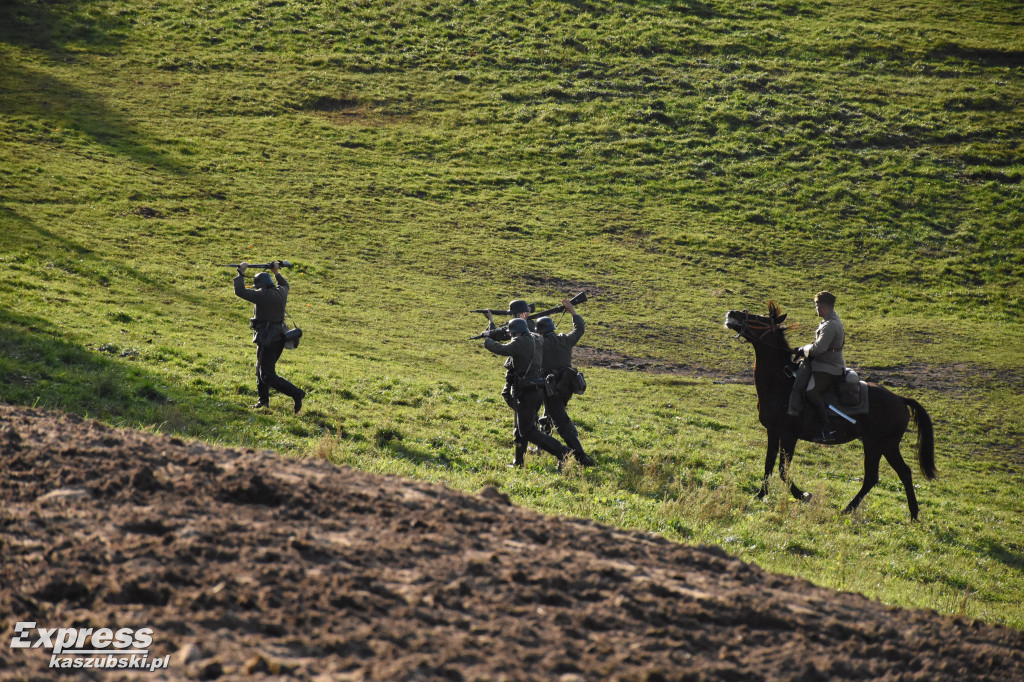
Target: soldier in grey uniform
(824, 362)
(268, 327)
(518, 309)
(560, 376)
(526, 352)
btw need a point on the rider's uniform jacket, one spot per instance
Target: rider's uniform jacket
(826, 353)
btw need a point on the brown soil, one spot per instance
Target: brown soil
(952, 378)
(249, 565)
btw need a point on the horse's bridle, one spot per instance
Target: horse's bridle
(763, 327)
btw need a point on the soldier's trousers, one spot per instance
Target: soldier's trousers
(527, 406)
(554, 409)
(267, 355)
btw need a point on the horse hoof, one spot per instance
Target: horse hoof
(806, 497)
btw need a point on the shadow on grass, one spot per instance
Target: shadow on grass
(38, 368)
(418, 455)
(1011, 557)
(20, 234)
(33, 94)
(55, 25)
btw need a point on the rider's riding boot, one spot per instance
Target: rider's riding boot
(828, 434)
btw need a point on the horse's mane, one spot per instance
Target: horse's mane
(776, 315)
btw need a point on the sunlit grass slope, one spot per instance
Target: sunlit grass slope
(417, 159)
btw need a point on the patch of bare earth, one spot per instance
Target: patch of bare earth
(950, 378)
(248, 565)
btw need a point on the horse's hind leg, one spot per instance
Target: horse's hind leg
(872, 456)
(788, 448)
(895, 459)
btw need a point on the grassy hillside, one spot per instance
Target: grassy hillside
(416, 159)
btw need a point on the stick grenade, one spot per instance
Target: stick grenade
(265, 266)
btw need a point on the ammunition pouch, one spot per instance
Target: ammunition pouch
(291, 338)
(522, 386)
(579, 383)
(565, 382)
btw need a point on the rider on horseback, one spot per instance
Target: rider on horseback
(824, 362)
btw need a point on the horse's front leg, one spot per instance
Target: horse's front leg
(788, 448)
(769, 463)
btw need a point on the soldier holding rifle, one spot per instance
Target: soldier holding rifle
(561, 377)
(518, 309)
(268, 327)
(526, 394)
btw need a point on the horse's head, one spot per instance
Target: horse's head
(754, 328)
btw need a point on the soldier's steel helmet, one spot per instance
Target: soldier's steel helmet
(518, 326)
(545, 325)
(262, 280)
(518, 307)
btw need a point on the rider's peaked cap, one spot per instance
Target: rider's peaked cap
(825, 297)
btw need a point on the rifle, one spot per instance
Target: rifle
(575, 300)
(265, 266)
(493, 311)
(501, 333)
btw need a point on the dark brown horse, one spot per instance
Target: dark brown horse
(881, 429)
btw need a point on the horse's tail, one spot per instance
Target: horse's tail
(925, 438)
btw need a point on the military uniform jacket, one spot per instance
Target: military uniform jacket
(526, 352)
(268, 308)
(558, 347)
(826, 353)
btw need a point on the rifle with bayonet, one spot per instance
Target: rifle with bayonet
(265, 266)
(502, 334)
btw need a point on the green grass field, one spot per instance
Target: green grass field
(419, 158)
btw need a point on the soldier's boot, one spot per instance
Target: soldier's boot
(264, 401)
(562, 456)
(571, 436)
(828, 434)
(518, 459)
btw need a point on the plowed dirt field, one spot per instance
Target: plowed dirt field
(248, 565)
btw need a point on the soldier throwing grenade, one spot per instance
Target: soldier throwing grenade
(267, 322)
